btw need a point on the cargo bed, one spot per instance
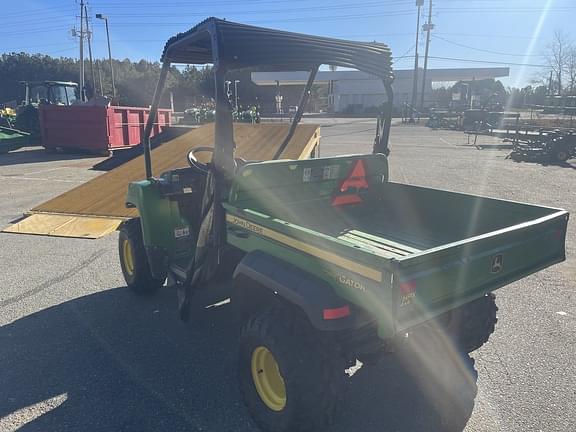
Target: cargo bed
(410, 252)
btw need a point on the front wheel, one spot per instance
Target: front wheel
(291, 379)
(134, 261)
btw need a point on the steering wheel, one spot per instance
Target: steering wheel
(194, 163)
(193, 160)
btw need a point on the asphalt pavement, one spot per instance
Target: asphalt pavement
(79, 352)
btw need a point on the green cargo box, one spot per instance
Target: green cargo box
(404, 253)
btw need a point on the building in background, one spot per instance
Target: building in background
(355, 92)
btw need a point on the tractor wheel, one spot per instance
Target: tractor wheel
(134, 261)
(290, 377)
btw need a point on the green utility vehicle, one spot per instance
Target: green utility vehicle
(332, 262)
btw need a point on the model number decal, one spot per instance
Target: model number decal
(181, 232)
(246, 225)
(407, 299)
(349, 282)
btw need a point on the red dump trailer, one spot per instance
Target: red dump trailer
(96, 129)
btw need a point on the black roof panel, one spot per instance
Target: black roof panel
(237, 46)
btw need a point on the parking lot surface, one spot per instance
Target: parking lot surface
(78, 352)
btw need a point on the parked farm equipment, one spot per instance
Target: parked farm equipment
(547, 145)
(23, 128)
(443, 119)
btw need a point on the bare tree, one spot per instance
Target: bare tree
(557, 52)
(571, 70)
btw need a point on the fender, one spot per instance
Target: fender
(312, 295)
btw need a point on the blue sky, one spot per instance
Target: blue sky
(467, 33)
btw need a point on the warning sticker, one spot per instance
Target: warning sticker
(328, 172)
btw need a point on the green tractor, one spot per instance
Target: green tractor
(331, 262)
(23, 128)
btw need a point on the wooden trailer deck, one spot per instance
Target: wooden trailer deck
(79, 212)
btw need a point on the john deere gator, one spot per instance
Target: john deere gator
(332, 261)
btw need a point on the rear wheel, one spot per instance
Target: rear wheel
(291, 379)
(134, 261)
(471, 325)
(445, 380)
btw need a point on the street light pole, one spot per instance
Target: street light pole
(236, 93)
(102, 17)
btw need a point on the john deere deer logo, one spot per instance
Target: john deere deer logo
(497, 263)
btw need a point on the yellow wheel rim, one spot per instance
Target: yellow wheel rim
(128, 257)
(267, 379)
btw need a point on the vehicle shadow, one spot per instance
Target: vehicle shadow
(543, 162)
(36, 155)
(115, 362)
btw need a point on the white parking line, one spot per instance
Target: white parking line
(3, 177)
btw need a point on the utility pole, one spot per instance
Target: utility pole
(89, 39)
(428, 28)
(419, 4)
(82, 50)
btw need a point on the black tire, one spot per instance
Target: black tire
(473, 323)
(469, 326)
(445, 381)
(560, 153)
(311, 369)
(451, 393)
(137, 271)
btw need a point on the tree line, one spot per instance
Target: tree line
(135, 81)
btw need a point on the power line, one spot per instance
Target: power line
(35, 11)
(485, 50)
(486, 35)
(266, 11)
(488, 62)
(300, 19)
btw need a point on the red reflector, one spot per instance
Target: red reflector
(408, 287)
(356, 179)
(346, 199)
(341, 312)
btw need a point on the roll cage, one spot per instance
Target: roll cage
(229, 46)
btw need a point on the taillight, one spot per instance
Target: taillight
(336, 313)
(407, 287)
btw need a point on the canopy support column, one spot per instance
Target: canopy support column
(224, 146)
(299, 113)
(384, 123)
(152, 117)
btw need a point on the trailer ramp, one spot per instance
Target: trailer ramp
(97, 207)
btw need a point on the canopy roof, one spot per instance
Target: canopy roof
(234, 46)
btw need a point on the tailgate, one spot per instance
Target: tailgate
(434, 281)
